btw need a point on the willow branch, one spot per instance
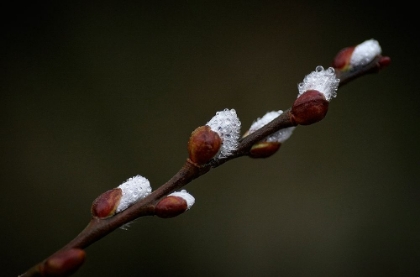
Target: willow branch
(98, 228)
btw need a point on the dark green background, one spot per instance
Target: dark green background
(92, 94)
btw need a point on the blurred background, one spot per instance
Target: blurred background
(94, 94)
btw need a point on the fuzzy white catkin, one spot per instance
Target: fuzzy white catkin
(227, 125)
(365, 52)
(322, 80)
(186, 196)
(133, 189)
(279, 136)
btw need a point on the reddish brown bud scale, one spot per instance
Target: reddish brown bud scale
(342, 59)
(310, 107)
(264, 149)
(171, 206)
(64, 263)
(105, 204)
(203, 145)
(384, 61)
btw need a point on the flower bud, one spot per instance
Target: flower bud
(134, 189)
(174, 204)
(316, 90)
(354, 57)
(63, 263)
(203, 145)
(268, 146)
(118, 199)
(105, 205)
(309, 108)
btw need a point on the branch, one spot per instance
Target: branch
(208, 149)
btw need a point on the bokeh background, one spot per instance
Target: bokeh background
(92, 94)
